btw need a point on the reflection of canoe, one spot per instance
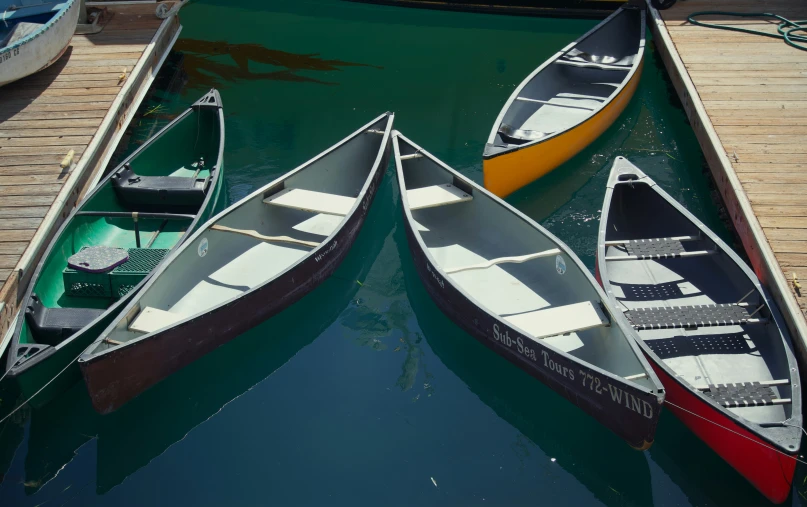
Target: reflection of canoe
(610, 470)
(712, 333)
(565, 103)
(33, 35)
(246, 264)
(523, 293)
(132, 437)
(144, 208)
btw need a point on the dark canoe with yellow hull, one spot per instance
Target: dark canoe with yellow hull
(566, 103)
(142, 210)
(524, 294)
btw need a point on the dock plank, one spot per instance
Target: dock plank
(752, 90)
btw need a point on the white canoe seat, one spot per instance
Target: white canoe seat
(311, 201)
(321, 224)
(153, 319)
(560, 320)
(436, 195)
(556, 104)
(501, 260)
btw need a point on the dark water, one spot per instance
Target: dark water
(364, 393)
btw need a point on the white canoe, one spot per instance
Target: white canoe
(33, 35)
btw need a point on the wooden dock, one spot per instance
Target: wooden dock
(746, 98)
(83, 103)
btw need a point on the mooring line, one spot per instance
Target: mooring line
(41, 388)
(740, 434)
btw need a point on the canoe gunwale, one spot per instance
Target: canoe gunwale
(631, 74)
(369, 187)
(14, 369)
(762, 430)
(467, 313)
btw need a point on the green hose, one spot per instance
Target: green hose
(786, 27)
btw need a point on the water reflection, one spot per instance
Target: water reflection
(603, 463)
(204, 71)
(143, 429)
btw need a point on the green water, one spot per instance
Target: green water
(364, 393)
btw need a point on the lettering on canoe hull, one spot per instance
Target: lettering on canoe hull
(590, 380)
(325, 252)
(436, 277)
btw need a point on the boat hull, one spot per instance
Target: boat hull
(43, 372)
(628, 412)
(39, 52)
(509, 171)
(768, 469)
(119, 375)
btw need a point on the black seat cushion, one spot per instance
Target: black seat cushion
(52, 326)
(167, 194)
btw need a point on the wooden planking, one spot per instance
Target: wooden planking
(754, 94)
(60, 108)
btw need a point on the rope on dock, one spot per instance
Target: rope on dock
(785, 31)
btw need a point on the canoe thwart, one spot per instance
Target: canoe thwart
(636, 376)
(682, 317)
(569, 106)
(411, 156)
(311, 201)
(135, 215)
(516, 260)
(560, 320)
(257, 235)
(592, 65)
(436, 195)
(153, 319)
(781, 382)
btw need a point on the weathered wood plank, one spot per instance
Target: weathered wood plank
(61, 99)
(69, 141)
(20, 223)
(23, 212)
(783, 105)
(768, 167)
(52, 160)
(782, 210)
(8, 261)
(777, 158)
(771, 177)
(776, 199)
(31, 179)
(792, 259)
(12, 235)
(786, 234)
(41, 150)
(13, 247)
(29, 200)
(767, 149)
(754, 130)
(46, 132)
(20, 170)
(776, 188)
(49, 124)
(783, 246)
(782, 221)
(19, 190)
(20, 93)
(761, 139)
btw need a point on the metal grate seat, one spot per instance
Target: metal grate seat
(745, 394)
(686, 346)
(655, 248)
(650, 292)
(677, 317)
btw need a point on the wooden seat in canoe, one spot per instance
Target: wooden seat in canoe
(560, 320)
(436, 195)
(311, 201)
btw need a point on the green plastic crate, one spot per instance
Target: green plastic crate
(118, 282)
(142, 261)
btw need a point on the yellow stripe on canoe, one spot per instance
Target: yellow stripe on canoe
(509, 171)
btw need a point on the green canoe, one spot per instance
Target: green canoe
(109, 245)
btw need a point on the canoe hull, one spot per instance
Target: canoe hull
(39, 52)
(768, 469)
(628, 412)
(506, 173)
(121, 374)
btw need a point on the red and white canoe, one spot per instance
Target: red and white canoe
(713, 335)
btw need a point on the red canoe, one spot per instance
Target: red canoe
(713, 335)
